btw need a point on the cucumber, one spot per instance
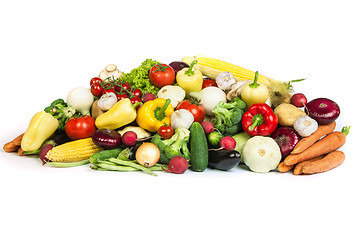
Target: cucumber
(198, 148)
(106, 154)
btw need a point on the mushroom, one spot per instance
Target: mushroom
(110, 71)
(235, 90)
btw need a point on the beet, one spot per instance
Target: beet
(323, 110)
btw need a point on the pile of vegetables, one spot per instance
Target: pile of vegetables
(195, 114)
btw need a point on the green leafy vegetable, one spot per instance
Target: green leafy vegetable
(139, 77)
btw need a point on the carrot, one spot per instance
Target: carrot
(13, 145)
(330, 161)
(284, 168)
(329, 143)
(298, 167)
(21, 152)
(306, 142)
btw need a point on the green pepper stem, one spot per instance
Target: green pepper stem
(136, 104)
(190, 71)
(255, 84)
(256, 121)
(159, 114)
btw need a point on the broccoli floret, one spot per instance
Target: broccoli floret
(175, 146)
(61, 111)
(228, 116)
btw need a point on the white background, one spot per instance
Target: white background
(47, 48)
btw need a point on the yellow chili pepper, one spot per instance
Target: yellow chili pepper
(254, 92)
(42, 126)
(154, 114)
(120, 114)
(189, 79)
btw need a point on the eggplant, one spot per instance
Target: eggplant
(107, 138)
(223, 159)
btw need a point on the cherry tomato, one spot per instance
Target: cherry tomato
(135, 100)
(161, 75)
(80, 127)
(108, 90)
(166, 132)
(96, 89)
(126, 86)
(121, 96)
(209, 83)
(197, 111)
(94, 80)
(137, 93)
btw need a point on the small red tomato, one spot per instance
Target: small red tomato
(197, 111)
(166, 132)
(137, 93)
(209, 83)
(94, 80)
(161, 75)
(96, 89)
(109, 90)
(121, 96)
(126, 86)
(80, 127)
(136, 100)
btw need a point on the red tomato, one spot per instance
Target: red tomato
(94, 80)
(121, 96)
(137, 93)
(166, 132)
(96, 89)
(81, 127)
(161, 75)
(108, 90)
(197, 111)
(135, 100)
(209, 83)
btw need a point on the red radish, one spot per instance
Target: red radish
(298, 100)
(228, 143)
(208, 127)
(148, 97)
(43, 151)
(129, 138)
(178, 165)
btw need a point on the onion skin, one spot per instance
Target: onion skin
(323, 110)
(286, 138)
(107, 138)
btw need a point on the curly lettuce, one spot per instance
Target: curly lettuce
(139, 77)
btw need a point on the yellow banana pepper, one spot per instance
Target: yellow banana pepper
(190, 80)
(42, 126)
(120, 114)
(154, 114)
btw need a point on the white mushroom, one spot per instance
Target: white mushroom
(110, 71)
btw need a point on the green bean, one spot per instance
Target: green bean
(68, 164)
(116, 167)
(131, 164)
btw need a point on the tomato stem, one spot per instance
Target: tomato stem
(161, 68)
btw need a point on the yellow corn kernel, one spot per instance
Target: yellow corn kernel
(73, 151)
(211, 67)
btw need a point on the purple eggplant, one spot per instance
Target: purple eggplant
(107, 138)
(223, 159)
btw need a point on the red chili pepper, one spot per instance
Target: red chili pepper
(259, 119)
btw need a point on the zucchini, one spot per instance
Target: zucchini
(198, 148)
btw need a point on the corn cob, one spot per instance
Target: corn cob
(73, 151)
(211, 67)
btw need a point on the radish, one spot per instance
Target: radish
(228, 143)
(298, 100)
(208, 127)
(177, 165)
(43, 151)
(129, 138)
(148, 97)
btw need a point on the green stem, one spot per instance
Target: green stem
(190, 71)
(255, 84)
(161, 68)
(256, 121)
(160, 113)
(136, 104)
(345, 130)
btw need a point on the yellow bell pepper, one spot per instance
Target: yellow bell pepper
(120, 114)
(254, 92)
(190, 80)
(42, 126)
(154, 114)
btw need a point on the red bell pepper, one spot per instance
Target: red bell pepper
(259, 120)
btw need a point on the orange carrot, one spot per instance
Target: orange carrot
(298, 167)
(13, 145)
(284, 168)
(330, 161)
(329, 143)
(306, 142)
(21, 152)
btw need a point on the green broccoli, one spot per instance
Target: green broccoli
(228, 116)
(177, 145)
(61, 111)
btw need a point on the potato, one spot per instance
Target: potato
(287, 114)
(95, 110)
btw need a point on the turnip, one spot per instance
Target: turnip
(177, 165)
(129, 138)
